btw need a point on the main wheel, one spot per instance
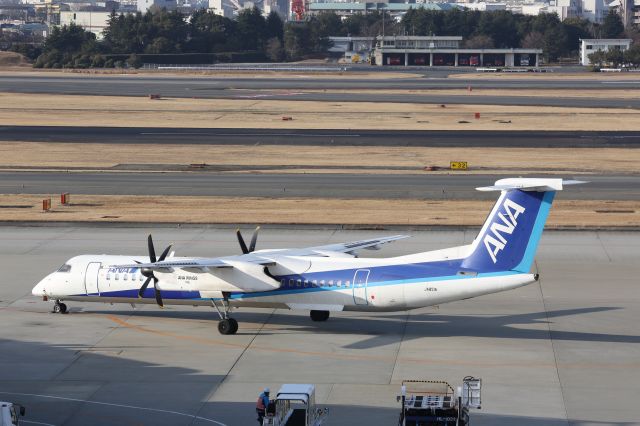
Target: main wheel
(63, 308)
(234, 324)
(57, 308)
(226, 326)
(319, 315)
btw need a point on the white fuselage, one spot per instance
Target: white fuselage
(331, 283)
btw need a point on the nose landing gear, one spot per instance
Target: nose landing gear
(59, 308)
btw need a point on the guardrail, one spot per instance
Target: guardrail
(245, 67)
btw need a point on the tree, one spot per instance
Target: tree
(296, 40)
(533, 40)
(597, 58)
(251, 26)
(555, 42)
(615, 57)
(632, 55)
(612, 27)
(67, 47)
(275, 51)
(134, 61)
(479, 42)
(274, 27)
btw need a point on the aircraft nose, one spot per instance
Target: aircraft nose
(40, 289)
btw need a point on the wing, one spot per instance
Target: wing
(352, 247)
(262, 257)
(200, 264)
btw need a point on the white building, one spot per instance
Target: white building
(144, 5)
(591, 45)
(222, 8)
(594, 10)
(484, 6)
(566, 8)
(93, 21)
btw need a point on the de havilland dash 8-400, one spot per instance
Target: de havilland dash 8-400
(324, 278)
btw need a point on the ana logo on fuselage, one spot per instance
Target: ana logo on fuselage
(494, 239)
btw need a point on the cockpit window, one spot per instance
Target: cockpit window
(64, 268)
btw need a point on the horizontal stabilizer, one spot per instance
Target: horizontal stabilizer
(530, 184)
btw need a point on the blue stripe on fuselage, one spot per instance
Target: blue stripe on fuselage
(379, 276)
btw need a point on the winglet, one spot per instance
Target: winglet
(530, 184)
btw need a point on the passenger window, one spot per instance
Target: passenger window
(299, 283)
(321, 283)
(141, 277)
(108, 277)
(339, 283)
(291, 283)
(330, 283)
(347, 283)
(314, 283)
(124, 277)
(306, 283)
(117, 277)
(284, 282)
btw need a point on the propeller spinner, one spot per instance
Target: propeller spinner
(149, 272)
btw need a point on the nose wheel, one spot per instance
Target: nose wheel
(59, 308)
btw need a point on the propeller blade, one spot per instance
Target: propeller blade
(157, 291)
(165, 253)
(254, 239)
(144, 287)
(243, 246)
(152, 251)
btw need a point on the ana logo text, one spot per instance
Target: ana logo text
(494, 239)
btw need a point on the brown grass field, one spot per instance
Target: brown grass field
(230, 210)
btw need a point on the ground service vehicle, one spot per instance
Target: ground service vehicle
(434, 403)
(295, 405)
(10, 413)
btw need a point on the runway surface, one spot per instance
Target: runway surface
(562, 351)
(275, 185)
(226, 136)
(285, 88)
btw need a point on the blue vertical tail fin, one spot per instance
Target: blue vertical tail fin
(509, 238)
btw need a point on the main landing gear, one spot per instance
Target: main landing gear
(227, 325)
(59, 308)
(319, 315)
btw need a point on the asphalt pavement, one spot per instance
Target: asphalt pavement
(360, 137)
(275, 185)
(285, 88)
(562, 351)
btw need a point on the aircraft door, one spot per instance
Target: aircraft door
(360, 287)
(91, 278)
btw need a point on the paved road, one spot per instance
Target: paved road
(275, 185)
(434, 138)
(283, 88)
(561, 351)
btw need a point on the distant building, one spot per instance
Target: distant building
(221, 7)
(630, 12)
(93, 21)
(431, 51)
(393, 8)
(144, 5)
(589, 46)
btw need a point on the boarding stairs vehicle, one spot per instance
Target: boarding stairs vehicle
(435, 403)
(10, 413)
(295, 405)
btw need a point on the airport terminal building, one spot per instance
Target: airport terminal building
(431, 51)
(445, 51)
